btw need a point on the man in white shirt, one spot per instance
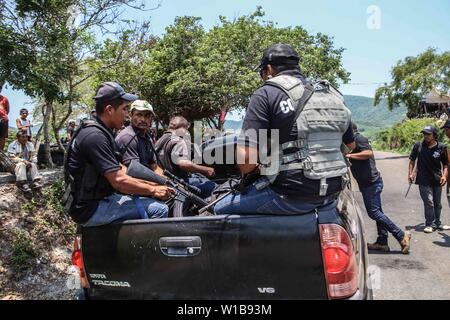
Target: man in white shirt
(22, 154)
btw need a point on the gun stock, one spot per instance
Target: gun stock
(139, 171)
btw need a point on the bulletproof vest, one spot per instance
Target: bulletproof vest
(321, 121)
(88, 184)
(164, 147)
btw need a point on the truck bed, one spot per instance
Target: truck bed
(218, 257)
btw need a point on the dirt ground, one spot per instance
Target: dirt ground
(35, 249)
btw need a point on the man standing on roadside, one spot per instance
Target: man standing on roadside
(431, 176)
(4, 120)
(370, 184)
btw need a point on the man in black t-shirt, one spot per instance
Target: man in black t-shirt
(370, 184)
(174, 153)
(134, 141)
(431, 176)
(101, 191)
(272, 111)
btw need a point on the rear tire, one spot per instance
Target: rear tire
(180, 208)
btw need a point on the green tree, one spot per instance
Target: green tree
(413, 78)
(199, 73)
(45, 46)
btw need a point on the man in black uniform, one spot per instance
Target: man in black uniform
(370, 184)
(431, 176)
(281, 106)
(101, 191)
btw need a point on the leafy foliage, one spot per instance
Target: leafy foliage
(199, 73)
(402, 136)
(414, 77)
(23, 251)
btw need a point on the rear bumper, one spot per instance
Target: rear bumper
(361, 295)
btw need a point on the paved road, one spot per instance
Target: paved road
(425, 273)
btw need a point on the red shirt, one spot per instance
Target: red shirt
(5, 110)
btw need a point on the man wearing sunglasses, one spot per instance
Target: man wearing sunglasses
(311, 122)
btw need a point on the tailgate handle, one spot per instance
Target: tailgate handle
(179, 247)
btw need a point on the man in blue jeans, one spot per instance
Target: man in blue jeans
(370, 184)
(282, 107)
(431, 176)
(99, 191)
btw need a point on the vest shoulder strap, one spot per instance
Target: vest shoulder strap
(298, 92)
(325, 85)
(292, 86)
(86, 124)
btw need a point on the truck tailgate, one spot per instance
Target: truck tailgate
(219, 257)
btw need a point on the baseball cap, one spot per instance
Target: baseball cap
(429, 129)
(109, 91)
(142, 105)
(279, 54)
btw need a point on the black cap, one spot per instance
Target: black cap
(279, 54)
(109, 91)
(429, 129)
(446, 125)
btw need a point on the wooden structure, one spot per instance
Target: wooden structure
(435, 103)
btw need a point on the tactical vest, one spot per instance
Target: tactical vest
(88, 184)
(164, 147)
(321, 119)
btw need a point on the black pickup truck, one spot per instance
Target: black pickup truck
(306, 256)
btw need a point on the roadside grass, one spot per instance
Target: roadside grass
(23, 252)
(402, 137)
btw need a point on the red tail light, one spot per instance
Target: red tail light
(77, 261)
(339, 261)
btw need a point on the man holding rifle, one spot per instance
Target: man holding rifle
(98, 189)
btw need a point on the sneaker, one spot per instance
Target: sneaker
(443, 228)
(23, 186)
(428, 230)
(406, 242)
(378, 247)
(37, 184)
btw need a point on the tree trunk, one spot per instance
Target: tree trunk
(56, 129)
(215, 124)
(47, 156)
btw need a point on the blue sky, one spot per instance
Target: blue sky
(406, 29)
